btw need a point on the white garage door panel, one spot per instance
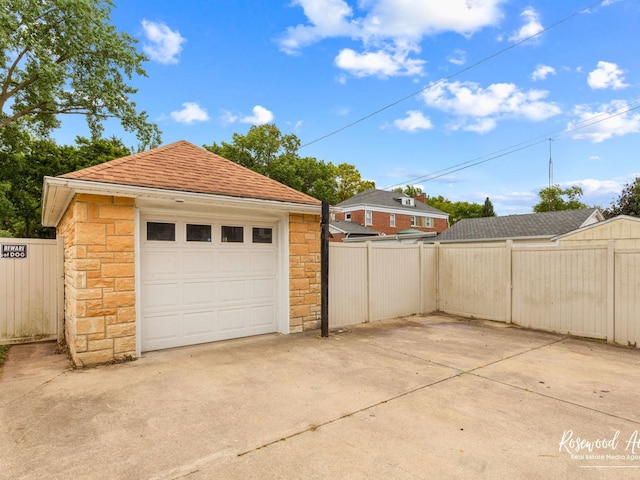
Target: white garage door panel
(231, 291)
(196, 292)
(232, 261)
(262, 262)
(200, 323)
(262, 289)
(160, 263)
(160, 295)
(199, 293)
(198, 262)
(261, 316)
(161, 329)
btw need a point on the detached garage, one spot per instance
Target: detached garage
(178, 246)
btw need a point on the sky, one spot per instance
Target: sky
(466, 99)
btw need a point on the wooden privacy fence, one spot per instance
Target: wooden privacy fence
(31, 290)
(591, 291)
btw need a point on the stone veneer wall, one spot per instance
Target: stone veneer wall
(99, 259)
(304, 272)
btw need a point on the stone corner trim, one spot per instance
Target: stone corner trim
(99, 279)
(304, 272)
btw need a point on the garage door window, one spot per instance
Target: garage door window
(198, 233)
(232, 234)
(262, 235)
(163, 232)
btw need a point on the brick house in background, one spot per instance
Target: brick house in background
(391, 213)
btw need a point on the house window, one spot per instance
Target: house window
(262, 235)
(347, 217)
(427, 222)
(368, 217)
(392, 219)
(162, 232)
(232, 234)
(198, 233)
(414, 222)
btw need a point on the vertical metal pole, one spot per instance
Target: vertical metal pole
(324, 271)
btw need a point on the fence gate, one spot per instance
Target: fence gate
(31, 290)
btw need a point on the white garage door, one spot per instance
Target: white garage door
(203, 281)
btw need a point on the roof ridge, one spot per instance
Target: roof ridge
(183, 166)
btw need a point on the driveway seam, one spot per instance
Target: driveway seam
(313, 428)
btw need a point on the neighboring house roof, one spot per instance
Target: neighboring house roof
(540, 225)
(182, 166)
(629, 229)
(351, 228)
(383, 198)
(179, 172)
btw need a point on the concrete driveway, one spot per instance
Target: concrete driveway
(414, 398)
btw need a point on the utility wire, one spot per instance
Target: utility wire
(455, 74)
(522, 145)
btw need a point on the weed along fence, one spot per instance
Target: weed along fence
(31, 290)
(590, 291)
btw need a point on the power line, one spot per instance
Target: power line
(522, 145)
(455, 74)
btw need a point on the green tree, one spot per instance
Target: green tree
(350, 182)
(410, 190)
(266, 150)
(628, 202)
(456, 210)
(23, 167)
(258, 148)
(554, 198)
(65, 57)
(487, 209)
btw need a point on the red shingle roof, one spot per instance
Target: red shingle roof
(184, 167)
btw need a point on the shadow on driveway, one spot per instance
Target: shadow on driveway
(418, 397)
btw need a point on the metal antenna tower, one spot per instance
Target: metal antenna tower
(550, 166)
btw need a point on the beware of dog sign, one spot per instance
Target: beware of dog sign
(14, 251)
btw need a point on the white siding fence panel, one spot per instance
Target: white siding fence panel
(561, 289)
(627, 297)
(396, 289)
(472, 280)
(31, 292)
(348, 284)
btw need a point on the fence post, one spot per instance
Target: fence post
(60, 288)
(421, 273)
(611, 294)
(324, 270)
(437, 255)
(369, 281)
(508, 279)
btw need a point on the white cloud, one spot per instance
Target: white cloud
(606, 75)
(459, 57)
(190, 113)
(601, 124)
(542, 72)
(597, 187)
(478, 109)
(327, 18)
(380, 63)
(163, 44)
(389, 30)
(260, 116)
(413, 122)
(531, 27)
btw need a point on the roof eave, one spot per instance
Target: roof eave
(58, 193)
(497, 239)
(381, 238)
